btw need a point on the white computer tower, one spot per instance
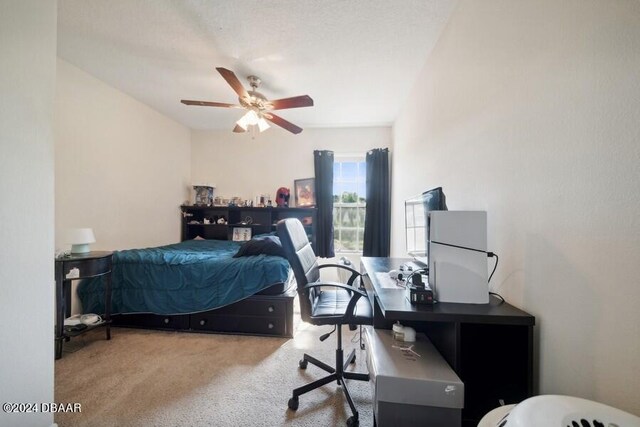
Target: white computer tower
(456, 249)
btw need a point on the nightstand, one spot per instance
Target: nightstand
(92, 264)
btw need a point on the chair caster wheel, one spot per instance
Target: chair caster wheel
(303, 364)
(353, 421)
(353, 360)
(293, 403)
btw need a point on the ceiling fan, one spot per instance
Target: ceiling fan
(259, 108)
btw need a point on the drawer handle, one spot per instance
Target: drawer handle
(166, 320)
(270, 325)
(203, 322)
(271, 309)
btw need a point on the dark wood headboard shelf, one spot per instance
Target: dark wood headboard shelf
(260, 220)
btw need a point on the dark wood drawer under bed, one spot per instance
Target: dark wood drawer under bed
(257, 315)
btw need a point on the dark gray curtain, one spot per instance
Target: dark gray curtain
(323, 163)
(377, 223)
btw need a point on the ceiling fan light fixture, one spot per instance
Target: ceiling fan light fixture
(252, 117)
(249, 119)
(257, 105)
(243, 123)
(262, 124)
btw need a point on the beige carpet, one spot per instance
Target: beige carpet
(153, 378)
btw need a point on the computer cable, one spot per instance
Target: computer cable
(400, 283)
(451, 245)
(489, 254)
(495, 294)
(493, 255)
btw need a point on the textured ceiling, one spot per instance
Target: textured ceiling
(357, 59)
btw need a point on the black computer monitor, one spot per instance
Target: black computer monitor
(416, 209)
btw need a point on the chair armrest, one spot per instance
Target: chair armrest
(354, 298)
(354, 273)
(336, 285)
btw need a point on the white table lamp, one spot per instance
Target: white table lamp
(80, 238)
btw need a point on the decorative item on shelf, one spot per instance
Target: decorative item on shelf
(222, 220)
(269, 203)
(80, 238)
(306, 220)
(219, 201)
(236, 201)
(282, 197)
(305, 192)
(241, 234)
(261, 201)
(204, 195)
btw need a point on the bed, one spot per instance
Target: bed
(198, 285)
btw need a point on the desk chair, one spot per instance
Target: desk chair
(324, 303)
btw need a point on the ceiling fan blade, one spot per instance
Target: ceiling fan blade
(209, 104)
(238, 129)
(233, 81)
(279, 121)
(294, 102)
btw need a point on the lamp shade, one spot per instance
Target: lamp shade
(250, 118)
(263, 125)
(80, 238)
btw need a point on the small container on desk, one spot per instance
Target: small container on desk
(76, 267)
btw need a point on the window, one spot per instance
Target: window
(349, 202)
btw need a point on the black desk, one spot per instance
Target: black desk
(92, 264)
(489, 346)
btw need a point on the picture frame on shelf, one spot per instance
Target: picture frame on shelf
(241, 234)
(203, 195)
(305, 192)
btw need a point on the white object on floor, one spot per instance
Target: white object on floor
(74, 273)
(73, 320)
(90, 319)
(554, 410)
(493, 418)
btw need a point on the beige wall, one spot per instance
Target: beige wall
(122, 168)
(27, 82)
(240, 166)
(531, 111)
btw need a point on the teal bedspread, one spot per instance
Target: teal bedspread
(188, 277)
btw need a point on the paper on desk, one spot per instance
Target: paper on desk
(387, 282)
